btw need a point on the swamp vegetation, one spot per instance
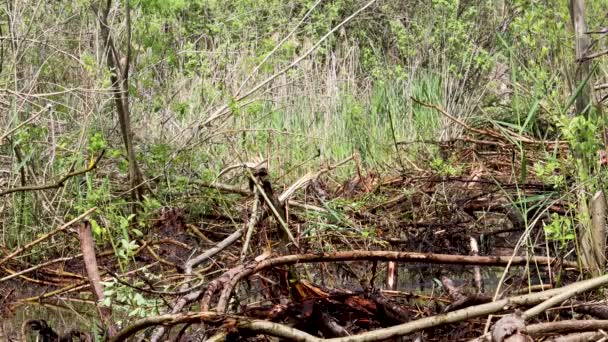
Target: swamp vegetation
(345, 170)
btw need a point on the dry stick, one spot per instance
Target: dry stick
(566, 326)
(87, 246)
(591, 336)
(273, 208)
(58, 183)
(245, 323)
(192, 296)
(286, 332)
(213, 251)
(220, 111)
(256, 214)
(233, 276)
(575, 290)
(455, 119)
(47, 236)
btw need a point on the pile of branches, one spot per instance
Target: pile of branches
(270, 283)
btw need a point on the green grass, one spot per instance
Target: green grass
(306, 129)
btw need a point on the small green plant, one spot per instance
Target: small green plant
(560, 230)
(96, 143)
(126, 299)
(580, 132)
(126, 249)
(449, 168)
(549, 172)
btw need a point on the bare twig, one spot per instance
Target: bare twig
(573, 290)
(59, 183)
(256, 214)
(30, 119)
(47, 236)
(566, 326)
(223, 109)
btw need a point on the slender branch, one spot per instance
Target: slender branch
(47, 236)
(274, 207)
(58, 184)
(222, 110)
(453, 118)
(256, 214)
(48, 263)
(30, 119)
(595, 55)
(213, 250)
(566, 326)
(276, 48)
(575, 289)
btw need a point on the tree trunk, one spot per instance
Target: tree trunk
(581, 43)
(120, 84)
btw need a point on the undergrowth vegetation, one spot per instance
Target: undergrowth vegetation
(507, 65)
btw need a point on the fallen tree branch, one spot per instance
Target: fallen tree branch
(375, 256)
(575, 289)
(87, 246)
(591, 336)
(239, 322)
(289, 333)
(485, 132)
(55, 185)
(194, 295)
(566, 326)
